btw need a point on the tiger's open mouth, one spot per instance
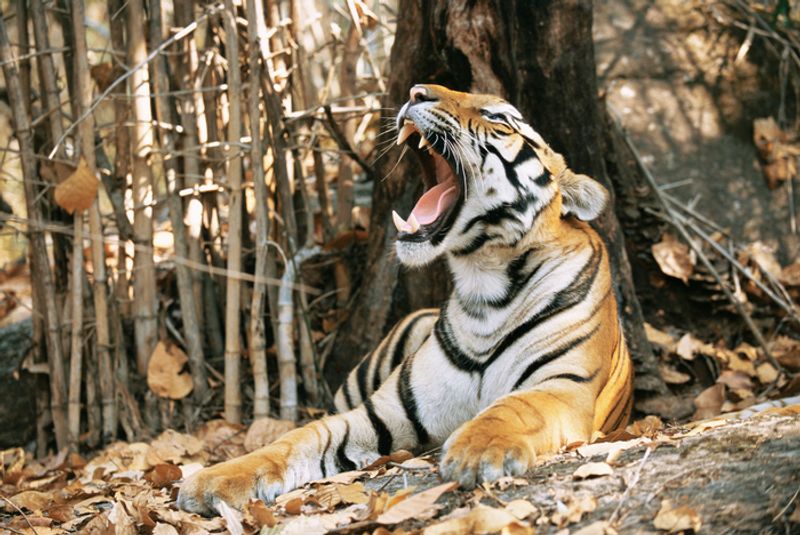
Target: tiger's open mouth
(435, 211)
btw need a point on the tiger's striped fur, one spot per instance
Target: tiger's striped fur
(526, 356)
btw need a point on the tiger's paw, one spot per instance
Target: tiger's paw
(235, 482)
(475, 454)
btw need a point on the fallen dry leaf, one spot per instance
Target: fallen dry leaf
(675, 519)
(688, 346)
(766, 373)
(787, 351)
(709, 402)
(660, 338)
(648, 426)
(164, 529)
(264, 431)
(522, 509)
(419, 506)
(777, 149)
(163, 474)
(573, 510)
(735, 380)
(589, 470)
(480, 520)
(165, 375)
(32, 500)
(598, 527)
(261, 514)
(173, 447)
(79, 190)
(672, 376)
(674, 258)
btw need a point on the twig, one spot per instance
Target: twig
(786, 507)
(183, 32)
(613, 519)
(344, 145)
(27, 521)
(675, 220)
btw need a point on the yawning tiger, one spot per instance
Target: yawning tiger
(527, 354)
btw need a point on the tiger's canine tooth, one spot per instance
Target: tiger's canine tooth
(423, 142)
(400, 223)
(406, 130)
(413, 223)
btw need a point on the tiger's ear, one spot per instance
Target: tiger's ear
(581, 195)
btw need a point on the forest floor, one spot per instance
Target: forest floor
(725, 475)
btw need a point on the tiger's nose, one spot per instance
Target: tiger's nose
(421, 93)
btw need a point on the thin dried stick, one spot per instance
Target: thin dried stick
(20, 511)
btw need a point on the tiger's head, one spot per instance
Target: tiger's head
(490, 180)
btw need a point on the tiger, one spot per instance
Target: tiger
(527, 354)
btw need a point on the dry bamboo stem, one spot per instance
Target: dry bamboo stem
(122, 166)
(191, 327)
(191, 115)
(39, 259)
(258, 339)
(144, 281)
(233, 394)
(83, 86)
(76, 336)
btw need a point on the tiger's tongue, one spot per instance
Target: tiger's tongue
(435, 201)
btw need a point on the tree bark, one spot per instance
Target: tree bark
(540, 57)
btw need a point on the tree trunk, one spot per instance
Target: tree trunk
(540, 57)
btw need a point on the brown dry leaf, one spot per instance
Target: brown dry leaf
(787, 351)
(735, 380)
(573, 510)
(688, 346)
(32, 500)
(648, 426)
(419, 506)
(165, 375)
(674, 258)
(599, 527)
(265, 431)
(164, 529)
(660, 338)
(261, 514)
(709, 402)
(79, 190)
(589, 470)
(121, 520)
(163, 474)
(763, 256)
(480, 520)
(329, 496)
(103, 75)
(790, 275)
(674, 519)
(232, 517)
(294, 506)
(778, 151)
(766, 373)
(397, 457)
(521, 509)
(736, 361)
(672, 376)
(174, 447)
(506, 481)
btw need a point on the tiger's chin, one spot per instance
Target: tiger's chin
(417, 254)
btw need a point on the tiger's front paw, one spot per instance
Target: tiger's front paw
(235, 482)
(477, 453)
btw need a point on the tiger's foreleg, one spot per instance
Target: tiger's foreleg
(389, 420)
(506, 437)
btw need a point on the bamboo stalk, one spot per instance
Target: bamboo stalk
(233, 394)
(165, 115)
(191, 115)
(83, 87)
(144, 283)
(257, 339)
(40, 263)
(76, 337)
